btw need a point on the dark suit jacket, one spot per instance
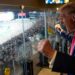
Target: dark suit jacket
(64, 63)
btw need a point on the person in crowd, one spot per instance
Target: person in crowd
(62, 62)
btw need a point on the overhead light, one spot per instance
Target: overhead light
(57, 9)
(6, 16)
(66, 1)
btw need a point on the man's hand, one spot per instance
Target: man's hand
(58, 27)
(44, 46)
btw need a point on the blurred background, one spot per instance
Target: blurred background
(22, 24)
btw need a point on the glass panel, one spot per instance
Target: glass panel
(19, 34)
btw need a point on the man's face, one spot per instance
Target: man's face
(67, 21)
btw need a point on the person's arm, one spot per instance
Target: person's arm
(62, 33)
(66, 36)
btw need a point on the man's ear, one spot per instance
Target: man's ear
(73, 17)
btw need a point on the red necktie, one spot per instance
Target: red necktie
(72, 45)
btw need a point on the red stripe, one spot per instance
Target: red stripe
(72, 45)
(22, 14)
